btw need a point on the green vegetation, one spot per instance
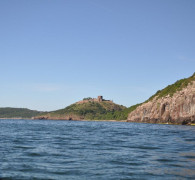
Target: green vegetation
(122, 115)
(92, 110)
(171, 89)
(17, 113)
(105, 110)
(119, 114)
(88, 98)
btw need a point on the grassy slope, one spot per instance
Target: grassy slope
(171, 89)
(95, 111)
(17, 113)
(91, 110)
(122, 115)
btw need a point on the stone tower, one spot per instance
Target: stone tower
(100, 98)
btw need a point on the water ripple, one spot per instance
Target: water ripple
(32, 149)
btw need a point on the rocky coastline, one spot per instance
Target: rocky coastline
(178, 109)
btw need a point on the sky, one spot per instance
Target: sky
(54, 53)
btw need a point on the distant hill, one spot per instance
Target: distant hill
(175, 104)
(17, 113)
(88, 109)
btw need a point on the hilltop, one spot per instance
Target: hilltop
(17, 113)
(88, 109)
(174, 104)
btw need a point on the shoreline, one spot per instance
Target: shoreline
(96, 121)
(63, 119)
(18, 118)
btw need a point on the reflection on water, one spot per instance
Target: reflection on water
(182, 172)
(188, 155)
(95, 150)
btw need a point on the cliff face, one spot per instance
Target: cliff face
(178, 108)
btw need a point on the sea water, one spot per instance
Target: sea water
(52, 149)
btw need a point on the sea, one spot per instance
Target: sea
(54, 149)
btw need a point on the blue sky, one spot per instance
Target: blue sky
(54, 53)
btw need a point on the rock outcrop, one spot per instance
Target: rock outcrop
(177, 108)
(60, 117)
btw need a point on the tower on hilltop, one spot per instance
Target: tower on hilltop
(100, 98)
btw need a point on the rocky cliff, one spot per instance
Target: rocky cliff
(175, 105)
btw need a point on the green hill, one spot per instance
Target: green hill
(105, 110)
(122, 115)
(17, 113)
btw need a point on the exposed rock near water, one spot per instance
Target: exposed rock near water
(176, 108)
(59, 117)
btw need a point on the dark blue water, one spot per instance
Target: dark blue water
(35, 149)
